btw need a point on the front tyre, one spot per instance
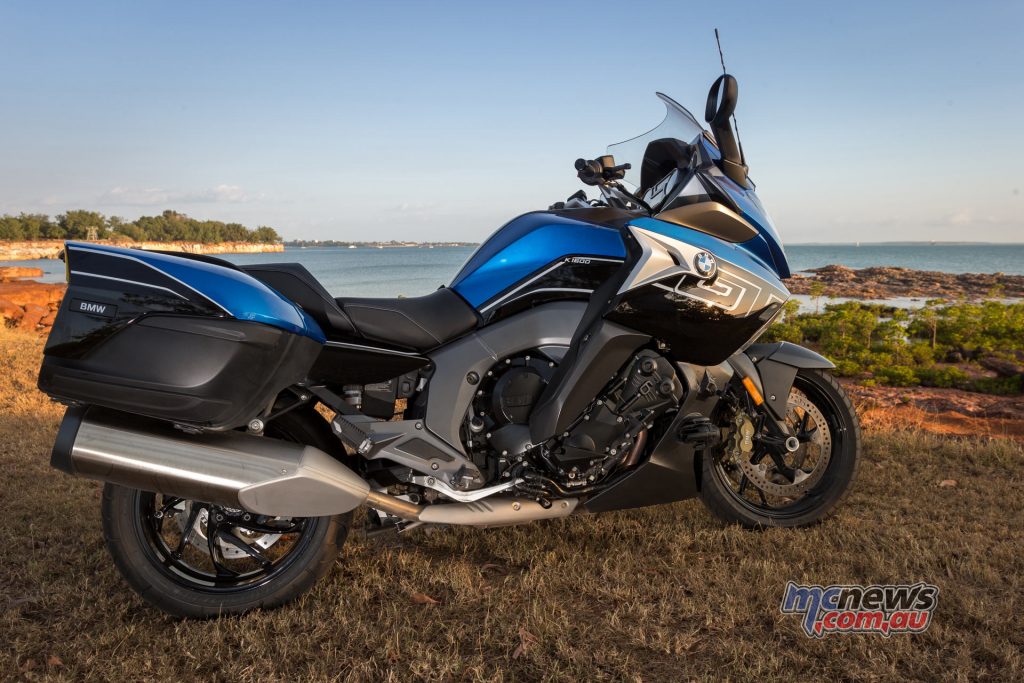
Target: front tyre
(750, 482)
(197, 560)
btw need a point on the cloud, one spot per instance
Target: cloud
(967, 217)
(224, 193)
(157, 196)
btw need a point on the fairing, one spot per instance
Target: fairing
(767, 246)
(539, 253)
(698, 156)
(704, 321)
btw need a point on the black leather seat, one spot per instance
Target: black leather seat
(420, 323)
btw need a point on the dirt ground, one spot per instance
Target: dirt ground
(661, 594)
(940, 411)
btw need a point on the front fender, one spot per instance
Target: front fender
(776, 365)
(789, 354)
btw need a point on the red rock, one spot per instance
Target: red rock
(49, 318)
(10, 311)
(8, 273)
(31, 292)
(33, 314)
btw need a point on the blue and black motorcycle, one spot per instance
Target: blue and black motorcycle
(596, 356)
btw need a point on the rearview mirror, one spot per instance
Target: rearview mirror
(721, 100)
(721, 104)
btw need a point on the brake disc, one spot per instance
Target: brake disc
(809, 461)
(229, 551)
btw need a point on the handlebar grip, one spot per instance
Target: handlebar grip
(588, 171)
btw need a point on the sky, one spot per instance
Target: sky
(861, 121)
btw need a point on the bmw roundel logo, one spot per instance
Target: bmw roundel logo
(705, 264)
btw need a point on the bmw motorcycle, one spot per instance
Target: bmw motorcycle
(596, 356)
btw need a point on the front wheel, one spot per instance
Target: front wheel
(752, 481)
(193, 559)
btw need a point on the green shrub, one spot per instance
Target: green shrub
(901, 347)
(847, 368)
(950, 377)
(897, 376)
(1002, 386)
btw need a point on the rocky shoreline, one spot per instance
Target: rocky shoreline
(49, 249)
(27, 304)
(883, 282)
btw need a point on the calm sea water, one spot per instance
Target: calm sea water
(412, 271)
(949, 258)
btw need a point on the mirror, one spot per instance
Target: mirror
(721, 104)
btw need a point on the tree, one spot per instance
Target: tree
(10, 228)
(266, 235)
(36, 225)
(80, 224)
(817, 290)
(166, 227)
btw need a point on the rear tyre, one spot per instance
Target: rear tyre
(824, 466)
(196, 560)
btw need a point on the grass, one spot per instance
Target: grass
(661, 594)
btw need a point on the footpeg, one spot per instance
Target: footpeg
(699, 430)
(352, 435)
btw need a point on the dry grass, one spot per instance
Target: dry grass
(662, 594)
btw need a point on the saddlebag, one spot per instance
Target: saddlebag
(183, 340)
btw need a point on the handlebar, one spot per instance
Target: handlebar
(600, 170)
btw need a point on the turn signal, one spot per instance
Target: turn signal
(752, 390)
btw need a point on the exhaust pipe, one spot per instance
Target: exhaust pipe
(492, 511)
(257, 474)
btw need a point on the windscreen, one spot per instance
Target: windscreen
(679, 124)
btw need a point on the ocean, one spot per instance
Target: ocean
(412, 271)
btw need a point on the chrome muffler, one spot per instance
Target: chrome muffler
(255, 473)
(234, 469)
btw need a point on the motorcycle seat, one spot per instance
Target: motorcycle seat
(297, 284)
(420, 323)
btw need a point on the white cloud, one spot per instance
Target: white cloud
(967, 217)
(157, 196)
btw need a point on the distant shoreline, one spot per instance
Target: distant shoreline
(904, 243)
(49, 249)
(390, 244)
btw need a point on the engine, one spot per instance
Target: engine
(609, 436)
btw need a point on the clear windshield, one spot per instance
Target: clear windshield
(679, 124)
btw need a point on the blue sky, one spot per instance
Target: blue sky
(861, 121)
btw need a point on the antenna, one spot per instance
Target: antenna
(736, 125)
(720, 57)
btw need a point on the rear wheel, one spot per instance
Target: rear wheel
(195, 559)
(754, 482)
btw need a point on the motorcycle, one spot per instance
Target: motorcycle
(596, 356)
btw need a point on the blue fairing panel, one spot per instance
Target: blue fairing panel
(767, 245)
(527, 244)
(237, 294)
(736, 254)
